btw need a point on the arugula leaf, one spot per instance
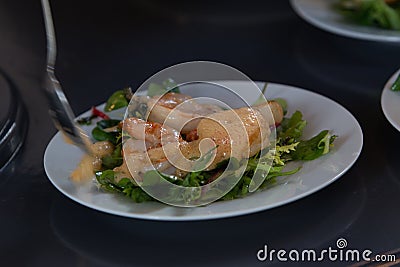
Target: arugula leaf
(101, 135)
(315, 147)
(125, 186)
(105, 177)
(152, 177)
(291, 129)
(137, 194)
(116, 100)
(396, 84)
(133, 191)
(278, 171)
(114, 159)
(103, 124)
(239, 190)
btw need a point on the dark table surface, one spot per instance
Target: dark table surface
(106, 46)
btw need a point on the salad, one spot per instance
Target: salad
(109, 164)
(379, 13)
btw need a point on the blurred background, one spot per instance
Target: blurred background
(104, 45)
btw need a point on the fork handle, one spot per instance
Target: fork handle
(61, 112)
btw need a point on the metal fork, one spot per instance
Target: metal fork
(59, 108)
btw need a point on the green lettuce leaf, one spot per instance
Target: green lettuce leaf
(314, 148)
(116, 100)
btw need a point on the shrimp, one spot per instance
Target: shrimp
(146, 143)
(153, 133)
(179, 111)
(256, 121)
(153, 141)
(276, 110)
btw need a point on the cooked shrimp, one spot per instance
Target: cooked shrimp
(276, 110)
(178, 111)
(152, 132)
(171, 100)
(256, 122)
(142, 149)
(140, 160)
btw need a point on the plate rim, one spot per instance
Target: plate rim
(342, 31)
(229, 214)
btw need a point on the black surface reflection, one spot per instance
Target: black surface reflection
(393, 157)
(108, 239)
(7, 172)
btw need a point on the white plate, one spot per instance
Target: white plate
(390, 102)
(321, 14)
(320, 112)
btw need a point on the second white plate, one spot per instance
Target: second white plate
(322, 15)
(320, 112)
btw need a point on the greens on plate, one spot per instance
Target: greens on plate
(378, 13)
(396, 85)
(271, 162)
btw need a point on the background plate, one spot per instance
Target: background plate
(322, 15)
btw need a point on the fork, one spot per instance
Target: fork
(59, 108)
